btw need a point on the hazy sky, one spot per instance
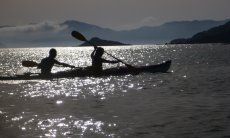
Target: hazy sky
(116, 14)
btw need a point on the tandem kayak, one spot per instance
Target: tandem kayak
(85, 72)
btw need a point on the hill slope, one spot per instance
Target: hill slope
(169, 31)
(219, 34)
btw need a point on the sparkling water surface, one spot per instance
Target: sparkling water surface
(192, 100)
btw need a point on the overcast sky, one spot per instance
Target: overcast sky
(115, 14)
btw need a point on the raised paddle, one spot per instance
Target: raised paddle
(80, 37)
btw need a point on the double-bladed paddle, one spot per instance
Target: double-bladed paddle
(26, 63)
(81, 37)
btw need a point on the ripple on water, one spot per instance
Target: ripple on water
(139, 106)
(65, 126)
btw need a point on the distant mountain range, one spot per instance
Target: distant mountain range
(219, 34)
(55, 34)
(145, 35)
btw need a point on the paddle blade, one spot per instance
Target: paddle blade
(78, 36)
(29, 64)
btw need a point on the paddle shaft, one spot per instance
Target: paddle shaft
(27, 63)
(110, 54)
(81, 37)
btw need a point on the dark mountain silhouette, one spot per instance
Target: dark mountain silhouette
(157, 34)
(169, 31)
(100, 42)
(88, 30)
(81, 26)
(49, 34)
(219, 34)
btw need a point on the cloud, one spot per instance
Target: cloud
(32, 33)
(46, 26)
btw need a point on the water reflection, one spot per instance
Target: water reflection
(63, 126)
(80, 87)
(69, 126)
(59, 102)
(74, 107)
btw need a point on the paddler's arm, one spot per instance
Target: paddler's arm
(40, 64)
(64, 64)
(110, 61)
(92, 54)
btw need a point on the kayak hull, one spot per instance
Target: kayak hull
(86, 72)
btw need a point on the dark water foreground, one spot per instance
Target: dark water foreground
(192, 101)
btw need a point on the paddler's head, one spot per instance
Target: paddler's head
(52, 53)
(99, 52)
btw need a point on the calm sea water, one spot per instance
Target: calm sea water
(192, 101)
